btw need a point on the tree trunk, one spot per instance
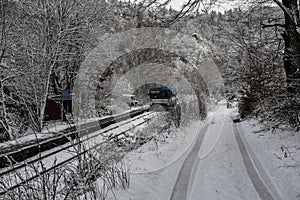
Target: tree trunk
(291, 38)
(292, 46)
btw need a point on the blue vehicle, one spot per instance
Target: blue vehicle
(162, 96)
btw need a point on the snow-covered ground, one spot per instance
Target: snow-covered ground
(98, 138)
(279, 151)
(154, 172)
(157, 155)
(219, 171)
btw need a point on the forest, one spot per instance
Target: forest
(256, 46)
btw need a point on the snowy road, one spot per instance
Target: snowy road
(222, 168)
(218, 164)
(181, 187)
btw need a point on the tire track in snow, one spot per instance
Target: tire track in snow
(255, 170)
(181, 186)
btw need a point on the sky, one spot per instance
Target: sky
(176, 4)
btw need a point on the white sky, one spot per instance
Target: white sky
(176, 4)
